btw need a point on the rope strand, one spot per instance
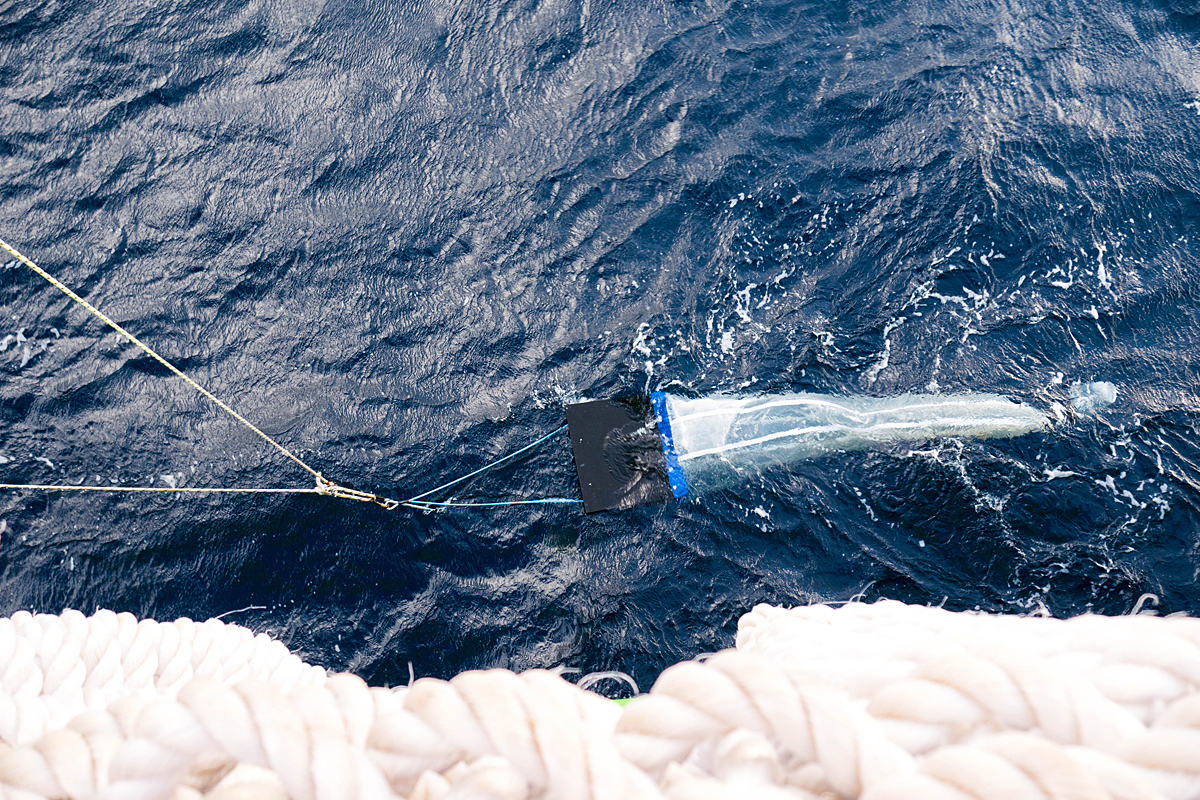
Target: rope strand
(66, 487)
(148, 351)
(486, 467)
(535, 502)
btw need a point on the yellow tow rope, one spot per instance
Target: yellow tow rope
(324, 486)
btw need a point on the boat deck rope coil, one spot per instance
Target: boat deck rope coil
(878, 701)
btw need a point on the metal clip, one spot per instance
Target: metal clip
(331, 489)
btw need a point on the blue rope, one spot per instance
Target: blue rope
(416, 502)
(427, 506)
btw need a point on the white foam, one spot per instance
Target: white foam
(727, 341)
(1055, 472)
(1088, 398)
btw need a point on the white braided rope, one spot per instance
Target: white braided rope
(878, 701)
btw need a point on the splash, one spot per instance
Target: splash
(1088, 398)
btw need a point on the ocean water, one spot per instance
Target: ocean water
(400, 236)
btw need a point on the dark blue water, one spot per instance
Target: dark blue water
(401, 236)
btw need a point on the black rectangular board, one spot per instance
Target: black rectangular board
(618, 454)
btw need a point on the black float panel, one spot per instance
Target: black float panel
(618, 454)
